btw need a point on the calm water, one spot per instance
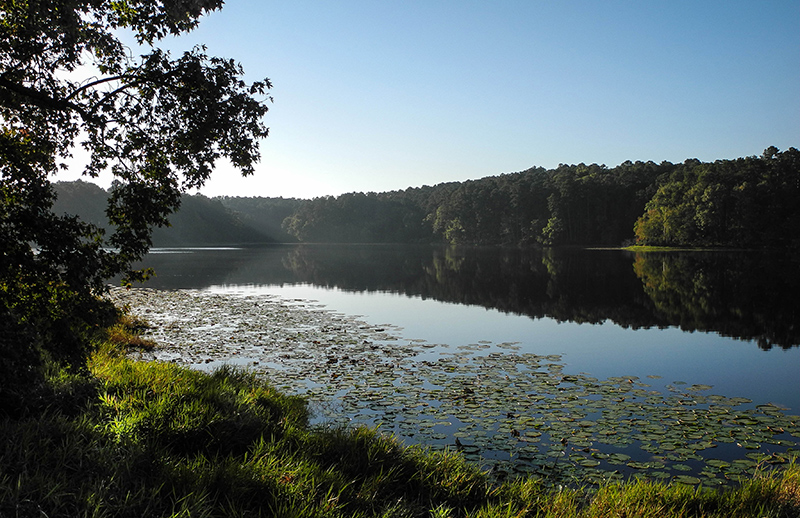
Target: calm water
(729, 320)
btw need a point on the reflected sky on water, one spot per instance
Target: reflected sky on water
(607, 313)
(733, 367)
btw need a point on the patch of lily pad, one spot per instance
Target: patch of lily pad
(512, 412)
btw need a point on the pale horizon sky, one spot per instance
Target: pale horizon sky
(380, 96)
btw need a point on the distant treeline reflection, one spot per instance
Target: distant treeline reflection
(745, 295)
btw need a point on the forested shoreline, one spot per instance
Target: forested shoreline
(748, 202)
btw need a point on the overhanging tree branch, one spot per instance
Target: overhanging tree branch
(39, 99)
(93, 84)
(157, 124)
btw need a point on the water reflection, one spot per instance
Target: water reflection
(742, 295)
(745, 295)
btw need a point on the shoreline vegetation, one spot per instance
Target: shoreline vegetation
(144, 438)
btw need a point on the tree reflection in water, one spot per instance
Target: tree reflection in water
(743, 295)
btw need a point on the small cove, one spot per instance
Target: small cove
(509, 387)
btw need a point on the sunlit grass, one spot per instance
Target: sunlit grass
(126, 334)
(153, 439)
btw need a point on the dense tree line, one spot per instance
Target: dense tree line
(569, 205)
(264, 215)
(360, 218)
(747, 202)
(750, 201)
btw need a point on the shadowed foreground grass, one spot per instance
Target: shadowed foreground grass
(137, 439)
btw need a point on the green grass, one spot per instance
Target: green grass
(151, 439)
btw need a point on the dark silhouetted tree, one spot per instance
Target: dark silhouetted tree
(158, 123)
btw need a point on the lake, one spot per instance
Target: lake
(556, 362)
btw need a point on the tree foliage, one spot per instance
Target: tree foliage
(357, 218)
(158, 123)
(265, 215)
(576, 204)
(748, 202)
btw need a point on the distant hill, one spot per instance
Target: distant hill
(83, 199)
(201, 221)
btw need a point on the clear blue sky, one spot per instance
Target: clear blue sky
(384, 95)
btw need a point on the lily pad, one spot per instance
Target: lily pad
(353, 371)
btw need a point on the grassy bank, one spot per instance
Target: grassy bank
(136, 439)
